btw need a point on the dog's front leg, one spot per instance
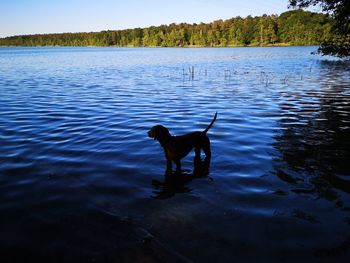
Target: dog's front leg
(169, 165)
(178, 166)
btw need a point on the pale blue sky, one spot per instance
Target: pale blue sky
(53, 16)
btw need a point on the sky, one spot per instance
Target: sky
(20, 17)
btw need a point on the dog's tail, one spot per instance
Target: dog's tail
(211, 124)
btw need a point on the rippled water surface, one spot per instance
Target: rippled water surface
(81, 181)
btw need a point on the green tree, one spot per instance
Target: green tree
(339, 43)
(294, 27)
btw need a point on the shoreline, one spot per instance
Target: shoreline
(192, 46)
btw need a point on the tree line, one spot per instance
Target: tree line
(339, 43)
(295, 27)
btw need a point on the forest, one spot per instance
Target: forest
(296, 27)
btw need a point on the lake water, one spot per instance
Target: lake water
(80, 181)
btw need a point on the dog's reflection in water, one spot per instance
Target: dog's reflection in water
(176, 182)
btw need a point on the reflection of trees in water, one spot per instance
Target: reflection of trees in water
(314, 143)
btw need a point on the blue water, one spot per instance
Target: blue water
(81, 181)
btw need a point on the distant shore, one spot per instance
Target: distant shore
(292, 28)
(192, 46)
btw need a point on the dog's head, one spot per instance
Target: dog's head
(159, 133)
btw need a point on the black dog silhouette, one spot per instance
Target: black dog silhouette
(177, 147)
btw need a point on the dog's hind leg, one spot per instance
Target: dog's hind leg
(197, 151)
(207, 151)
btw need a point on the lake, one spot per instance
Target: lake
(80, 181)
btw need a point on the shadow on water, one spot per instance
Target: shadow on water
(177, 182)
(314, 142)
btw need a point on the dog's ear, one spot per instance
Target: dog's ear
(160, 133)
(155, 133)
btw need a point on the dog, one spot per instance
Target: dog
(177, 147)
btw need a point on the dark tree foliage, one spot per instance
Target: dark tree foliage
(339, 43)
(290, 28)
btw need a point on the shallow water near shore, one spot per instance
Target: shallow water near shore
(81, 180)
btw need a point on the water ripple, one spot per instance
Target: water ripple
(73, 130)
